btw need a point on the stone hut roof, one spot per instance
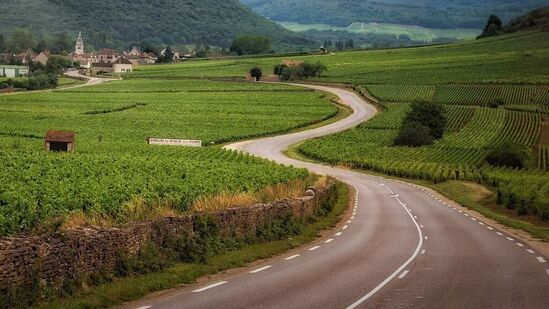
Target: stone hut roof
(60, 136)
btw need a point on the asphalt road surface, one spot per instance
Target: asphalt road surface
(401, 246)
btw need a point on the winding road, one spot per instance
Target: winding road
(400, 246)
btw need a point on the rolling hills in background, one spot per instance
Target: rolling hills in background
(444, 14)
(118, 22)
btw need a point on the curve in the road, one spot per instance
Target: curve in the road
(402, 246)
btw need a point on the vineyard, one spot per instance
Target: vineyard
(471, 132)
(113, 170)
(513, 59)
(515, 97)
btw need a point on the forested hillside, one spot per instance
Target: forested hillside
(115, 22)
(427, 13)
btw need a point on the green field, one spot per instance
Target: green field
(113, 169)
(415, 33)
(466, 78)
(516, 58)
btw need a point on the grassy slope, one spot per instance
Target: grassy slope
(415, 33)
(515, 58)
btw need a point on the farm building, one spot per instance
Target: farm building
(60, 141)
(13, 70)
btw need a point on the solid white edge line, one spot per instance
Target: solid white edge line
(291, 257)
(394, 274)
(313, 248)
(209, 286)
(403, 274)
(260, 269)
(540, 259)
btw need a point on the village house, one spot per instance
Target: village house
(136, 56)
(13, 71)
(43, 57)
(106, 55)
(120, 66)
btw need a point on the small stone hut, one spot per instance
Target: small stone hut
(60, 141)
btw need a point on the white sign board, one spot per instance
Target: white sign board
(174, 142)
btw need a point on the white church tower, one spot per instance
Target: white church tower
(79, 48)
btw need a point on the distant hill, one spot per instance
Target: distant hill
(110, 23)
(426, 13)
(536, 19)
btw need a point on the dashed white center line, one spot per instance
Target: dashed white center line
(473, 219)
(260, 269)
(421, 225)
(209, 286)
(352, 217)
(415, 217)
(423, 251)
(426, 237)
(349, 221)
(481, 223)
(510, 239)
(314, 248)
(540, 259)
(291, 257)
(329, 240)
(519, 244)
(500, 234)
(466, 215)
(547, 271)
(145, 307)
(338, 234)
(403, 274)
(530, 251)
(344, 227)
(490, 228)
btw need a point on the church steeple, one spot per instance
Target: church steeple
(79, 47)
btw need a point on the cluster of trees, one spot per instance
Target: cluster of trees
(339, 45)
(422, 125)
(536, 19)
(251, 45)
(303, 70)
(21, 39)
(41, 76)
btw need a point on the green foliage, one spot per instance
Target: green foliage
(149, 259)
(430, 13)
(508, 155)
(251, 45)
(256, 73)
(413, 134)
(115, 23)
(167, 57)
(492, 28)
(430, 115)
(304, 70)
(113, 165)
(20, 40)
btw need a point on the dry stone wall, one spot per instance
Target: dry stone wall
(82, 251)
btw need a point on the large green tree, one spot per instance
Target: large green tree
(20, 40)
(251, 45)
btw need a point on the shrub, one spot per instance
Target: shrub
(256, 72)
(431, 115)
(413, 134)
(304, 70)
(496, 103)
(508, 155)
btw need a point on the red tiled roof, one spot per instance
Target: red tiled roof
(60, 136)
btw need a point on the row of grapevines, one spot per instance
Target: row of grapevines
(520, 127)
(543, 157)
(402, 93)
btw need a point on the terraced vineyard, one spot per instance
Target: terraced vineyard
(114, 176)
